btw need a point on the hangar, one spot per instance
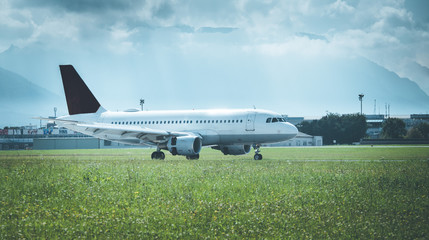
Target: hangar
(301, 139)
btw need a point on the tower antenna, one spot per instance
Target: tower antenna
(360, 99)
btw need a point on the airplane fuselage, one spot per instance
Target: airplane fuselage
(215, 127)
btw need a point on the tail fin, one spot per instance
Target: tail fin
(79, 98)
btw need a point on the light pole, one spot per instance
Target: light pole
(141, 102)
(360, 99)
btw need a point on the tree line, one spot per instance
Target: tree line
(395, 128)
(350, 128)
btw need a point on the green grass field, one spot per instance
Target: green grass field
(294, 193)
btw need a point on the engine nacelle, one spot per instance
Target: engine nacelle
(234, 149)
(187, 145)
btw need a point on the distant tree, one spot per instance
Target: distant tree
(414, 133)
(424, 129)
(330, 128)
(421, 130)
(354, 128)
(309, 127)
(393, 128)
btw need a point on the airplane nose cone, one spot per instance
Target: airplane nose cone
(287, 131)
(291, 129)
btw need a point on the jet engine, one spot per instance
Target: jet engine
(187, 145)
(233, 149)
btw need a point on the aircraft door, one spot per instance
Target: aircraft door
(250, 122)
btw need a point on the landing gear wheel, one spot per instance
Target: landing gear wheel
(193, 157)
(158, 155)
(257, 156)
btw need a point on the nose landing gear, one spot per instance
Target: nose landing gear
(257, 156)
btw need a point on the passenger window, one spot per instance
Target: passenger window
(217, 121)
(241, 121)
(232, 121)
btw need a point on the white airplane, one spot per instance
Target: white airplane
(180, 132)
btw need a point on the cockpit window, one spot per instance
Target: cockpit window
(274, 120)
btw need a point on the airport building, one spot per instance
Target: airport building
(375, 125)
(301, 140)
(30, 137)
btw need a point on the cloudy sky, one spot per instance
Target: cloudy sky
(208, 54)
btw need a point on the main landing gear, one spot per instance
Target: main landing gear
(257, 156)
(158, 155)
(193, 157)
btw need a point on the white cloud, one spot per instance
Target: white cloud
(383, 31)
(295, 46)
(339, 7)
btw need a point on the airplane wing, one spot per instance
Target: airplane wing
(123, 132)
(131, 134)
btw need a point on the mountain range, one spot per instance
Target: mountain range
(21, 100)
(295, 86)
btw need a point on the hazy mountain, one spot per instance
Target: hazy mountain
(293, 85)
(17, 89)
(20, 100)
(337, 83)
(418, 73)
